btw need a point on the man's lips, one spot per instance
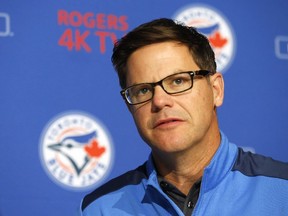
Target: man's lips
(166, 122)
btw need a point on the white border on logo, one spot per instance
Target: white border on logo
(104, 132)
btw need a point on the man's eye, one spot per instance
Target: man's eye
(178, 81)
(138, 91)
(142, 91)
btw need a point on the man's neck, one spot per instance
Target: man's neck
(183, 169)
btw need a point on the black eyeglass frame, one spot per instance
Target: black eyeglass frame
(203, 73)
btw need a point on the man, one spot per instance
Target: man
(168, 75)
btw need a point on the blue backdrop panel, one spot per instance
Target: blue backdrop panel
(55, 60)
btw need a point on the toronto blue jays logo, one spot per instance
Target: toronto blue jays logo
(76, 151)
(217, 29)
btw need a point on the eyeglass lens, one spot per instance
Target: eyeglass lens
(172, 84)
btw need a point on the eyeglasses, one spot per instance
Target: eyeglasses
(172, 84)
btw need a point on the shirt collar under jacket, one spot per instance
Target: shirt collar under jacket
(221, 163)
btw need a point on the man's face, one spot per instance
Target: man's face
(173, 123)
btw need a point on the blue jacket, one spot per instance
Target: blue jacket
(234, 183)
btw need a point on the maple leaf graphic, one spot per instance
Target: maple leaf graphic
(217, 40)
(93, 149)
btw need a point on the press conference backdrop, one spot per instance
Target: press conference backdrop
(65, 130)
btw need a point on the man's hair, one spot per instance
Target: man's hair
(157, 31)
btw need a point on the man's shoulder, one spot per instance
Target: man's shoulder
(251, 164)
(132, 177)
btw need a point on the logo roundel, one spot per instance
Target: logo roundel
(76, 151)
(215, 27)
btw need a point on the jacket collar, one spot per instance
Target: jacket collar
(221, 163)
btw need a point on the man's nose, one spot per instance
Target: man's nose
(161, 98)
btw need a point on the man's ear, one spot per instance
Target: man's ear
(217, 83)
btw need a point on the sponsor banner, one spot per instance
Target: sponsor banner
(281, 47)
(5, 25)
(88, 31)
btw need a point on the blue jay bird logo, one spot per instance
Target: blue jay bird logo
(79, 150)
(211, 22)
(208, 30)
(76, 151)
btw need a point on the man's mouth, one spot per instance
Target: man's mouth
(166, 122)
